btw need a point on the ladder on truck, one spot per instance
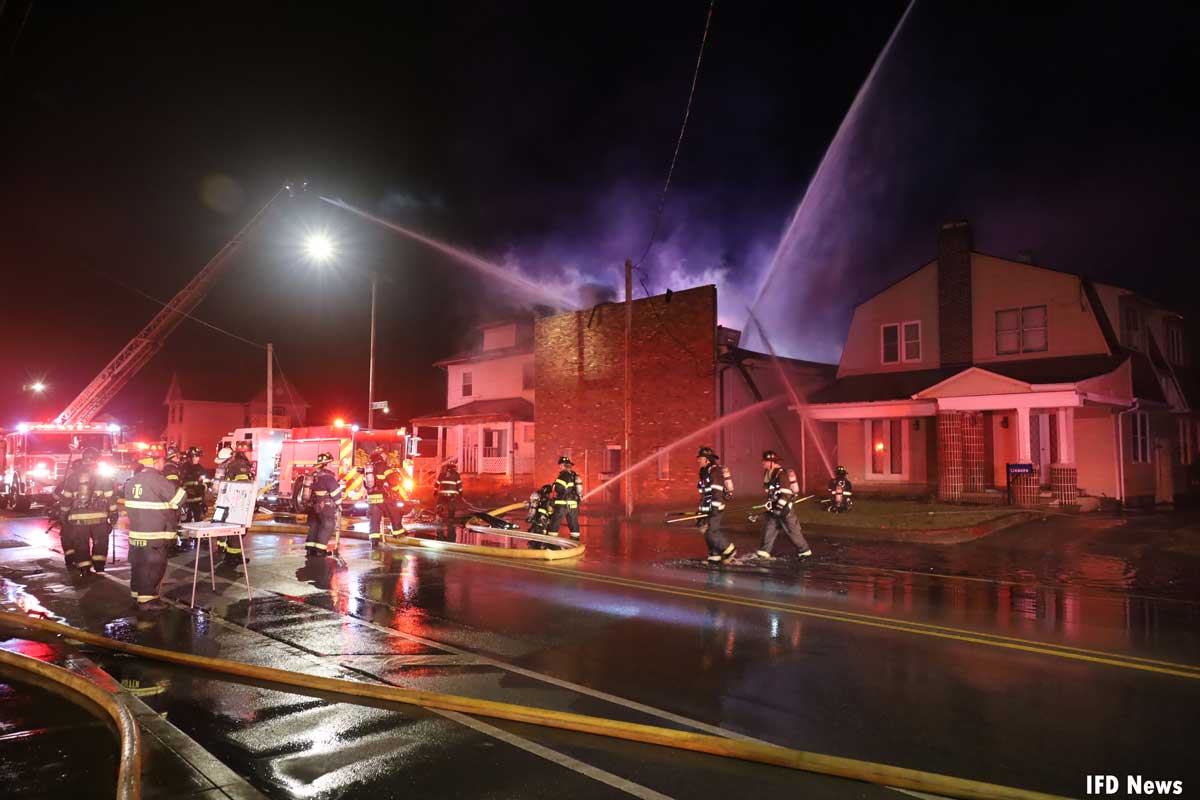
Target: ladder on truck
(138, 352)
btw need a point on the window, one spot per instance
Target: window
(1187, 441)
(663, 463)
(887, 449)
(890, 343)
(1021, 330)
(612, 459)
(1175, 343)
(912, 341)
(527, 376)
(1141, 438)
(467, 386)
(1131, 324)
(179, 413)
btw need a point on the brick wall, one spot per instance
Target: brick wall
(580, 390)
(954, 294)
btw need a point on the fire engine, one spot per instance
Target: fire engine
(351, 450)
(261, 446)
(36, 456)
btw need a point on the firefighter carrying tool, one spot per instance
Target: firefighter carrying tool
(236, 467)
(87, 510)
(568, 491)
(450, 486)
(325, 495)
(152, 503)
(781, 488)
(716, 489)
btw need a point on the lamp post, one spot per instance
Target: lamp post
(321, 249)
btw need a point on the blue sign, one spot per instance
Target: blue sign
(1020, 469)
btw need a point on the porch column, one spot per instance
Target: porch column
(950, 455)
(462, 444)
(974, 468)
(1024, 487)
(511, 454)
(441, 447)
(1064, 475)
(479, 449)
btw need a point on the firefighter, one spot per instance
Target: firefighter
(325, 495)
(87, 510)
(374, 477)
(236, 468)
(781, 487)
(541, 506)
(152, 503)
(195, 476)
(716, 489)
(840, 492)
(568, 491)
(173, 471)
(397, 483)
(450, 485)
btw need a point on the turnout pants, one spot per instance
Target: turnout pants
(565, 509)
(375, 515)
(787, 524)
(321, 522)
(450, 506)
(716, 539)
(148, 564)
(85, 544)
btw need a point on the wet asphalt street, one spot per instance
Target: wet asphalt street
(1029, 658)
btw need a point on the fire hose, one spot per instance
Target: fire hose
(758, 752)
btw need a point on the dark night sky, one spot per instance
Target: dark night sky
(137, 138)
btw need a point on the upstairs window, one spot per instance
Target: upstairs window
(890, 343)
(527, 376)
(467, 386)
(1021, 330)
(1131, 325)
(912, 341)
(1175, 344)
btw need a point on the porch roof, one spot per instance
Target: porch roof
(509, 409)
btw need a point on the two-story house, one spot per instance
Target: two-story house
(488, 420)
(974, 362)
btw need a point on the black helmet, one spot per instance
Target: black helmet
(566, 461)
(708, 452)
(546, 490)
(323, 459)
(770, 455)
(840, 470)
(172, 452)
(90, 455)
(194, 452)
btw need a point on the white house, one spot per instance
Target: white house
(488, 420)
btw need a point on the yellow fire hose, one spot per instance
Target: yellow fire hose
(773, 755)
(129, 767)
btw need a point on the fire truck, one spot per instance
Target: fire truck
(35, 457)
(261, 446)
(351, 450)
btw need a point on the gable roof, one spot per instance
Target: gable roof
(285, 393)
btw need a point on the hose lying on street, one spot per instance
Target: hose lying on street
(758, 752)
(129, 765)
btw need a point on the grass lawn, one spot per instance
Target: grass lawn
(899, 514)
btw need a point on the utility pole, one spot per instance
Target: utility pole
(628, 479)
(270, 385)
(371, 370)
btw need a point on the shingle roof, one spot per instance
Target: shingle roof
(515, 409)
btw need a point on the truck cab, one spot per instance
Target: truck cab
(351, 450)
(34, 458)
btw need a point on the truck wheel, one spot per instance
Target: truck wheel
(22, 503)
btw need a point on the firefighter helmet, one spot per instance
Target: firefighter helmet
(194, 452)
(172, 452)
(90, 455)
(323, 459)
(223, 455)
(770, 455)
(378, 454)
(566, 461)
(708, 452)
(840, 471)
(546, 490)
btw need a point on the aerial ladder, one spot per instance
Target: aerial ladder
(138, 352)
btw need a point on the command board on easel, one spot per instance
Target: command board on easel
(235, 503)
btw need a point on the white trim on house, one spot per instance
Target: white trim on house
(920, 341)
(871, 410)
(993, 402)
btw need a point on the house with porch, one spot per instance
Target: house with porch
(972, 363)
(487, 423)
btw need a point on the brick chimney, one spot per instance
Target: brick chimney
(954, 294)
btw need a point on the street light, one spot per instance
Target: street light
(320, 249)
(37, 387)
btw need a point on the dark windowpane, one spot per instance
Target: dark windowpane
(897, 437)
(891, 344)
(877, 446)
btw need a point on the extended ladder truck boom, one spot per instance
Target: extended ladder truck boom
(138, 352)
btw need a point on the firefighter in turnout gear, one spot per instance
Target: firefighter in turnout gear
(324, 497)
(236, 468)
(87, 509)
(152, 503)
(716, 489)
(840, 492)
(449, 491)
(781, 488)
(374, 479)
(173, 471)
(195, 476)
(568, 491)
(541, 506)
